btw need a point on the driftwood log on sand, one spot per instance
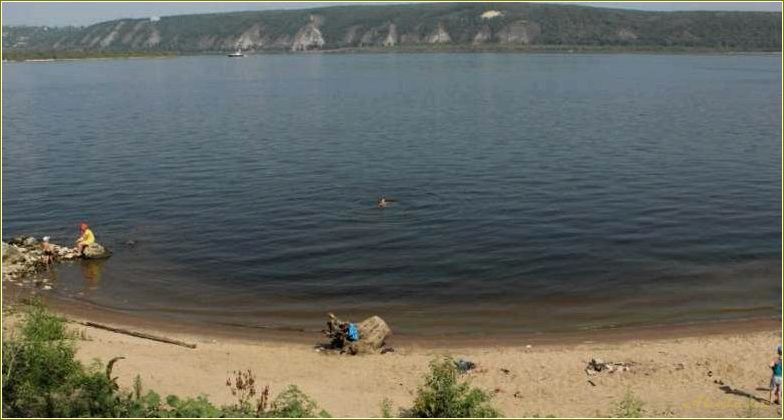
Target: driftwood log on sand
(136, 334)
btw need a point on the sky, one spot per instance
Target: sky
(86, 13)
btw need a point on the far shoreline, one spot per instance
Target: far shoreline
(454, 49)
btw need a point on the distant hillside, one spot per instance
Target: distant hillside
(467, 25)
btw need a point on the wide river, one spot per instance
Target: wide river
(535, 192)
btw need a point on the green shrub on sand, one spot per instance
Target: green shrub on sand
(41, 377)
(629, 407)
(445, 395)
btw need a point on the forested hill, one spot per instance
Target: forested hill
(463, 25)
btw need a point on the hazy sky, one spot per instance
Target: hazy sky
(61, 14)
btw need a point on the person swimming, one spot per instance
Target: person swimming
(383, 202)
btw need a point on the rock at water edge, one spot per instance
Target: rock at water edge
(96, 251)
(12, 254)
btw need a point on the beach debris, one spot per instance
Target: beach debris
(366, 337)
(506, 371)
(135, 334)
(598, 365)
(109, 367)
(591, 382)
(386, 350)
(463, 366)
(528, 346)
(518, 394)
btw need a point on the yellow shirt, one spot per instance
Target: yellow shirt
(87, 237)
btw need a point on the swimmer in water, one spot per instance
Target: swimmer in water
(383, 202)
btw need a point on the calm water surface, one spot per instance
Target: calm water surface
(536, 192)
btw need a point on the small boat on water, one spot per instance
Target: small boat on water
(237, 54)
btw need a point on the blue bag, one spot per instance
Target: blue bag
(353, 332)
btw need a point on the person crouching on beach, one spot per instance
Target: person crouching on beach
(775, 379)
(85, 239)
(48, 252)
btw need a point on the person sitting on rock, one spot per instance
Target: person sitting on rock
(48, 256)
(85, 239)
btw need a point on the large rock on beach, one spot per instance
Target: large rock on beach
(23, 259)
(23, 241)
(12, 254)
(65, 253)
(96, 251)
(372, 334)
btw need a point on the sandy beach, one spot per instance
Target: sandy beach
(710, 370)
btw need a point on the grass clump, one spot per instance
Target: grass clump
(386, 408)
(293, 403)
(251, 402)
(629, 407)
(749, 410)
(445, 395)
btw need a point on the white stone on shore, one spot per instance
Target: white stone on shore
(491, 14)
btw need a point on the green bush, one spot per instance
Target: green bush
(293, 403)
(386, 408)
(42, 378)
(444, 395)
(629, 407)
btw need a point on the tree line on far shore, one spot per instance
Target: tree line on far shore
(358, 26)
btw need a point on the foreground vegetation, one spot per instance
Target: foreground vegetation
(42, 378)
